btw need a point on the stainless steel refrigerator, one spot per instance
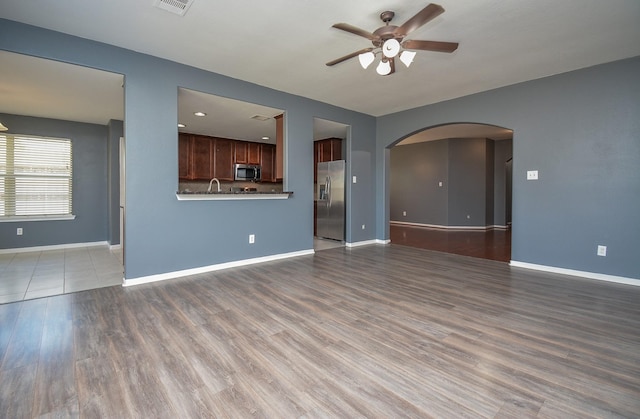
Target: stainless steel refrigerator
(330, 200)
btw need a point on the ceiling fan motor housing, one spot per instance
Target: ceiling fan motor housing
(384, 33)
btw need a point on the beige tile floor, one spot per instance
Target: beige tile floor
(28, 275)
(324, 244)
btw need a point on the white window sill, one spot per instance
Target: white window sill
(21, 219)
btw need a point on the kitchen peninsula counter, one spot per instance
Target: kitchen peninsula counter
(230, 195)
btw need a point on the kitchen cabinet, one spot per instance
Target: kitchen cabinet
(254, 153)
(247, 152)
(201, 162)
(201, 157)
(267, 162)
(329, 149)
(241, 152)
(279, 147)
(223, 159)
(194, 157)
(184, 152)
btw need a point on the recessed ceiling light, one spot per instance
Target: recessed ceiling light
(261, 117)
(200, 114)
(265, 138)
(182, 126)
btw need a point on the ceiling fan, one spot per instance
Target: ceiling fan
(389, 40)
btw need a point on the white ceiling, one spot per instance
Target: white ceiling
(285, 44)
(51, 89)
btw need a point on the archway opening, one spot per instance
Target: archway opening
(449, 190)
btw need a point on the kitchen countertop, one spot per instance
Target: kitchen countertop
(230, 195)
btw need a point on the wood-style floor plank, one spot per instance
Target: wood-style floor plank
(56, 363)
(376, 331)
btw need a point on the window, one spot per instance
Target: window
(35, 177)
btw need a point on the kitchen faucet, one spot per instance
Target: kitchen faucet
(211, 183)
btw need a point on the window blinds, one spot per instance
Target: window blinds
(35, 176)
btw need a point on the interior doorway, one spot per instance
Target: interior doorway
(329, 183)
(450, 190)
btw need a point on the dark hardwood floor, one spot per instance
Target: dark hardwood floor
(373, 331)
(487, 244)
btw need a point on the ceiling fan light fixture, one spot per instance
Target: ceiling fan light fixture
(384, 68)
(407, 57)
(391, 48)
(3, 128)
(366, 59)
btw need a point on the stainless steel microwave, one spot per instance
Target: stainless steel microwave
(249, 172)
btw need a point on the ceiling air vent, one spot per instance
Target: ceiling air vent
(178, 7)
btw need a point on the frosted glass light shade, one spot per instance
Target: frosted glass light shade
(383, 68)
(390, 48)
(407, 57)
(3, 128)
(366, 59)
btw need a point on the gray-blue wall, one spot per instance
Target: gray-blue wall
(581, 131)
(89, 148)
(466, 168)
(164, 235)
(416, 170)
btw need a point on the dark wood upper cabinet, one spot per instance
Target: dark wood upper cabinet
(268, 162)
(247, 152)
(253, 153)
(202, 158)
(279, 147)
(329, 149)
(194, 157)
(201, 161)
(223, 159)
(241, 152)
(184, 152)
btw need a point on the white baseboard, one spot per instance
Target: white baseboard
(572, 272)
(115, 247)
(443, 227)
(52, 247)
(211, 268)
(366, 243)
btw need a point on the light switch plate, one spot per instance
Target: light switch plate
(354, 179)
(532, 175)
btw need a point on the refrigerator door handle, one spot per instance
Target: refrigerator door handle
(328, 187)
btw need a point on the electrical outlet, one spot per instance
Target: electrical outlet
(355, 179)
(19, 231)
(252, 238)
(440, 184)
(532, 175)
(602, 250)
(363, 226)
(404, 213)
